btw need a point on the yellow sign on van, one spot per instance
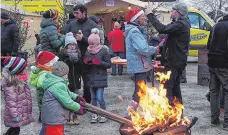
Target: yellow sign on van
(37, 7)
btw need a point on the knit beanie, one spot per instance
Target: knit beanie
(94, 39)
(181, 8)
(116, 25)
(60, 69)
(4, 15)
(70, 39)
(51, 13)
(16, 65)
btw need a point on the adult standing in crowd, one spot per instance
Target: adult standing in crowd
(81, 27)
(138, 51)
(99, 26)
(50, 39)
(218, 68)
(10, 39)
(117, 44)
(70, 19)
(174, 52)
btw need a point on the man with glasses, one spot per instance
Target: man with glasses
(174, 52)
(81, 27)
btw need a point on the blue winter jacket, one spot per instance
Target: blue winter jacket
(138, 51)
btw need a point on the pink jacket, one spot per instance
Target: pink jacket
(18, 102)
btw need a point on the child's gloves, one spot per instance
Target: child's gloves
(81, 111)
(87, 60)
(96, 61)
(80, 99)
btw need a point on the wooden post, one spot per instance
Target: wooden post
(110, 115)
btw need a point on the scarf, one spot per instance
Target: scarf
(94, 49)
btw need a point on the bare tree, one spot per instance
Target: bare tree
(215, 8)
(23, 28)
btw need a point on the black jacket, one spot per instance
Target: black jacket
(10, 39)
(74, 75)
(174, 52)
(85, 26)
(97, 74)
(218, 45)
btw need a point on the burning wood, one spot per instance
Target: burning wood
(154, 111)
(110, 115)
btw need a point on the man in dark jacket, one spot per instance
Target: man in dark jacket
(174, 52)
(70, 19)
(10, 39)
(81, 27)
(218, 68)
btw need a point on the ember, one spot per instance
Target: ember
(154, 111)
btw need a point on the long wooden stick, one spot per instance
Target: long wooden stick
(110, 115)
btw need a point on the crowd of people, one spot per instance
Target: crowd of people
(77, 53)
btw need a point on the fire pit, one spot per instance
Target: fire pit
(178, 130)
(155, 114)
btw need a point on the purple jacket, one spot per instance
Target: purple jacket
(18, 102)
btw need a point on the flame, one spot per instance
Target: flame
(154, 108)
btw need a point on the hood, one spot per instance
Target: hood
(185, 19)
(128, 27)
(51, 79)
(47, 22)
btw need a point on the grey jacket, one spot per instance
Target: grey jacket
(86, 26)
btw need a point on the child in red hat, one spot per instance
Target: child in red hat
(44, 63)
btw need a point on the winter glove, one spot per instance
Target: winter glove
(96, 61)
(81, 111)
(80, 99)
(87, 60)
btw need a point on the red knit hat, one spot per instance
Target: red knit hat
(46, 58)
(133, 14)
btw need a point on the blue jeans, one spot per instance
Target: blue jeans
(97, 95)
(120, 67)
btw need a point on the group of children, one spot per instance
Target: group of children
(51, 76)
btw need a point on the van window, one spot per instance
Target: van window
(197, 21)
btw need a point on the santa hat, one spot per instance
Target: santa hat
(46, 59)
(133, 14)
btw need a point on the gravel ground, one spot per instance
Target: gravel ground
(193, 95)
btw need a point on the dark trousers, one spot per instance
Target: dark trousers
(86, 89)
(13, 131)
(120, 67)
(173, 85)
(138, 77)
(218, 76)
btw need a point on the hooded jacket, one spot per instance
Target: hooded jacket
(50, 39)
(18, 102)
(10, 39)
(177, 42)
(138, 51)
(57, 100)
(218, 46)
(36, 79)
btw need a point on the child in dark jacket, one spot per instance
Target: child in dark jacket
(17, 95)
(71, 55)
(98, 59)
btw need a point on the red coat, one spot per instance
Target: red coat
(116, 40)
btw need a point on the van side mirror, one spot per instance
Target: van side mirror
(206, 26)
